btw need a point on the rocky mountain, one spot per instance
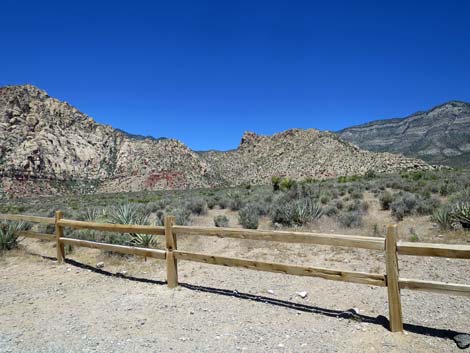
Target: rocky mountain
(438, 136)
(48, 146)
(300, 153)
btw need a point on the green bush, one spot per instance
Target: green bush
(8, 236)
(461, 214)
(197, 206)
(248, 217)
(127, 213)
(276, 182)
(221, 221)
(385, 200)
(298, 212)
(443, 217)
(287, 184)
(350, 219)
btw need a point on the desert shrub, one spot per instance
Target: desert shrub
(223, 203)
(365, 206)
(287, 184)
(182, 216)
(236, 202)
(330, 210)
(248, 217)
(408, 204)
(413, 236)
(8, 236)
(461, 214)
(211, 203)
(403, 206)
(91, 214)
(375, 230)
(132, 214)
(197, 206)
(385, 200)
(153, 207)
(276, 181)
(221, 221)
(339, 204)
(324, 199)
(443, 217)
(127, 213)
(297, 212)
(350, 219)
(143, 241)
(356, 194)
(427, 206)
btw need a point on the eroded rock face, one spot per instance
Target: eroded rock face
(43, 139)
(438, 136)
(300, 153)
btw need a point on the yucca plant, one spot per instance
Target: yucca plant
(131, 214)
(143, 240)
(91, 214)
(8, 234)
(461, 214)
(443, 217)
(127, 213)
(305, 210)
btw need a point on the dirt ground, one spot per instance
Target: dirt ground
(127, 307)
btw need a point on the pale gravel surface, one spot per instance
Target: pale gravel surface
(46, 307)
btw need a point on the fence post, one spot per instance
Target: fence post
(171, 262)
(394, 300)
(59, 232)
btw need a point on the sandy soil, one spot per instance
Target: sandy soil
(126, 307)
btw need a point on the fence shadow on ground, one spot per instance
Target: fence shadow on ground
(378, 320)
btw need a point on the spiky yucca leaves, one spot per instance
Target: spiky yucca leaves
(298, 212)
(461, 214)
(8, 236)
(127, 213)
(92, 214)
(132, 214)
(443, 217)
(143, 240)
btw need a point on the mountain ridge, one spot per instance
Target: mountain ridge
(440, 135)
(44, 139)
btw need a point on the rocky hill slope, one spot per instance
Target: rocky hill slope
(48, 146)
(300, 153)
(438, 136)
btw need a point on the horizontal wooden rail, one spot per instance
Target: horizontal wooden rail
(286, 237)
(435, 287)
(25, 218)
(108, 227)
(374, 279)
(36, 235)
(430, 249)
(122, 249)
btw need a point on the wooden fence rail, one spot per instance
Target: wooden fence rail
(390, 246)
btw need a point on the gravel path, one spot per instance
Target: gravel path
(46, 307)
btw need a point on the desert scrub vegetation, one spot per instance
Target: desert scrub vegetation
(248, 217)
(221, 221)
(8, 234)
(295, 212)
(440, 195)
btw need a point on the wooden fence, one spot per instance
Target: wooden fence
(171, 254)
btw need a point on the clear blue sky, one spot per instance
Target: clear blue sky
(206, 71)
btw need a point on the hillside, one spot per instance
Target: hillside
(300, 153)
(48, 146)
(440, 135)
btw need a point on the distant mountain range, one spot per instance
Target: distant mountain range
(440, 135)
(48, 146)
